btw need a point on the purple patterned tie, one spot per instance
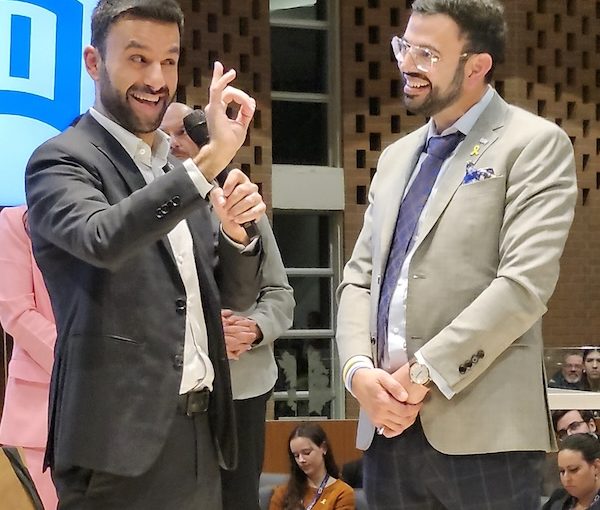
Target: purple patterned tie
(438, 149)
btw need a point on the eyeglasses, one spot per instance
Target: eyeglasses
(571, 429)
(423, 58)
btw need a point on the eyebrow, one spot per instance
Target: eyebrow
(137, 45)
(425, 46)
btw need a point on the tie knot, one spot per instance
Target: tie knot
(442, 146)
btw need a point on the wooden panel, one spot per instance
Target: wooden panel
(341, 435)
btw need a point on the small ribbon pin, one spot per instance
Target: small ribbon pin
(475, 151)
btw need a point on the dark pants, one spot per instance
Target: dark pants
(407, 473)
(240, 487)
(185, 476)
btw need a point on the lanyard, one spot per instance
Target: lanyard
(319, 492)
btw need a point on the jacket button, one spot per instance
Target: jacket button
(373, 341)
(462, 369)
(164, 209)
(178, 361)
(180, 305)
(176, 200)
(468, 364)
(480, 354)
(159, 213)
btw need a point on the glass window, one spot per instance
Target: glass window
(299, 133)
(298, 9)
(573, 368)
(304, 386)
(298, 57)
(313, 302)
(303, 239)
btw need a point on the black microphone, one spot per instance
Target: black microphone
(197, 129)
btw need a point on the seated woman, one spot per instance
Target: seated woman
(313, 479)
(579, 466)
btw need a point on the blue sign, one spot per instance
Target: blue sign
(43, 82)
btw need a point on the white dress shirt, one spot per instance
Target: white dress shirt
(198, 371)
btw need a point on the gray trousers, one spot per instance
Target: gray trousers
(185, 476)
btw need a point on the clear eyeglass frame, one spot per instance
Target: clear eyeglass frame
(424, 58)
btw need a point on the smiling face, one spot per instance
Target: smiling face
(578, 476)
(309, 457)
(432, 92)
(137, 78)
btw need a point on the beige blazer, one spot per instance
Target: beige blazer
(486, 263)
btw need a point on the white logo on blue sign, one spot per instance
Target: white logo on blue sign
(43, 83)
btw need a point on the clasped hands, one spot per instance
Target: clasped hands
(391, 401)
(240, 333)
(238, 201)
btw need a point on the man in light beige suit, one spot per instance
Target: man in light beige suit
(249, 338)
(454, 382)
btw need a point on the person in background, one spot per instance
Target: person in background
(26, 315)
(570, 375)
(314, 475)
(249, 337)
(568, 422)
(591, 365)
(579, 468)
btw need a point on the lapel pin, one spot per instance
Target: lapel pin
(483, 141)
(475, 151)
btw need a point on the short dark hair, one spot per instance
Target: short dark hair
(587, 352)
(108, 12)
(586, 444)
(586, 415)
(481, 21)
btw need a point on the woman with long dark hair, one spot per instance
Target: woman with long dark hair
(579, 466)
(313, 475)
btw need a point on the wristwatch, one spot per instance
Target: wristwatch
(418, 373)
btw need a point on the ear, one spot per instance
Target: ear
(92, 61)
(592, 425)
(478, 66)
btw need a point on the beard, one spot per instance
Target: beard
(118, 108)
(437, 100)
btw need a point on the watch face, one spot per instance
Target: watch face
(419, 374)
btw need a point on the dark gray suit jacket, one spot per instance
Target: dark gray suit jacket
(99, 237)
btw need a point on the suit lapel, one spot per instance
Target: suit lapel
(486, 128)
(117, 156)
(114, 152)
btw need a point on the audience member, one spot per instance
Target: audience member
(579, 467)
(26, 315)
(249, 338)
(314, 475)
(591, 364)
(568, 422)
(570, 375)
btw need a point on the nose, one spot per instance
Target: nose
(155, 77)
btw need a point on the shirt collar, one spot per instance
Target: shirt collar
(137, 149)
(465, 123)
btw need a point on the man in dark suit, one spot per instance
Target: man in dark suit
(439, 323)
(140, 408)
